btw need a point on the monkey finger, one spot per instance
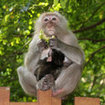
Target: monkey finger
(53, 43)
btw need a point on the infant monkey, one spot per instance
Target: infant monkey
(51, 61)
(56, 65)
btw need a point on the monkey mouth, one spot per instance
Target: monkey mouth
(51, 32)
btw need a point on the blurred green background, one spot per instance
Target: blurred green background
(86, 18)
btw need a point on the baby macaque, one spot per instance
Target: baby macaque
(51, 59)
(54, 59)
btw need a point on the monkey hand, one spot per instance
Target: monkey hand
(46, 82)
(53, 43)
(42, 45)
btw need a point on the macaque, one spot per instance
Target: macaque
(56, 65)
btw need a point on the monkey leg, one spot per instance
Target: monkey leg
(27, 81)
(46, 82)
(67, 80)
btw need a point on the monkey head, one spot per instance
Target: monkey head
(49, 24)
(52, 23)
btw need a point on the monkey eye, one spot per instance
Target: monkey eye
(46, 19)
(54, 18)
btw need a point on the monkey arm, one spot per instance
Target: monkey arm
(33, 55)
(73, 53)
(26, 75)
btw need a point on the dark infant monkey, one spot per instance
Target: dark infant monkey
(50, 67)
(62, 73)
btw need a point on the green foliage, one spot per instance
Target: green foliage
(17, 20)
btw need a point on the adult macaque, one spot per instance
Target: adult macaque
(61, 71)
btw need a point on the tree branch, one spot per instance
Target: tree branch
(93, 40)
(90, 27)
(93, 82)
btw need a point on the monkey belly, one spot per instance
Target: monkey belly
(52, 67)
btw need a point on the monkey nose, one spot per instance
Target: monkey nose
(50, 18)
(50, 24)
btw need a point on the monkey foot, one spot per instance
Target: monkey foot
(58, 92)
(46, 82)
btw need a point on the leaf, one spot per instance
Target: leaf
(101, 15)
(6, 17)
(17, 40)
(30, 27)
(63, 3)
(55, 2)
(12, 43)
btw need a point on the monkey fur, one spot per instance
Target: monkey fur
(63, 70)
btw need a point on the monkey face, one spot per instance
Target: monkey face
(49, 24)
